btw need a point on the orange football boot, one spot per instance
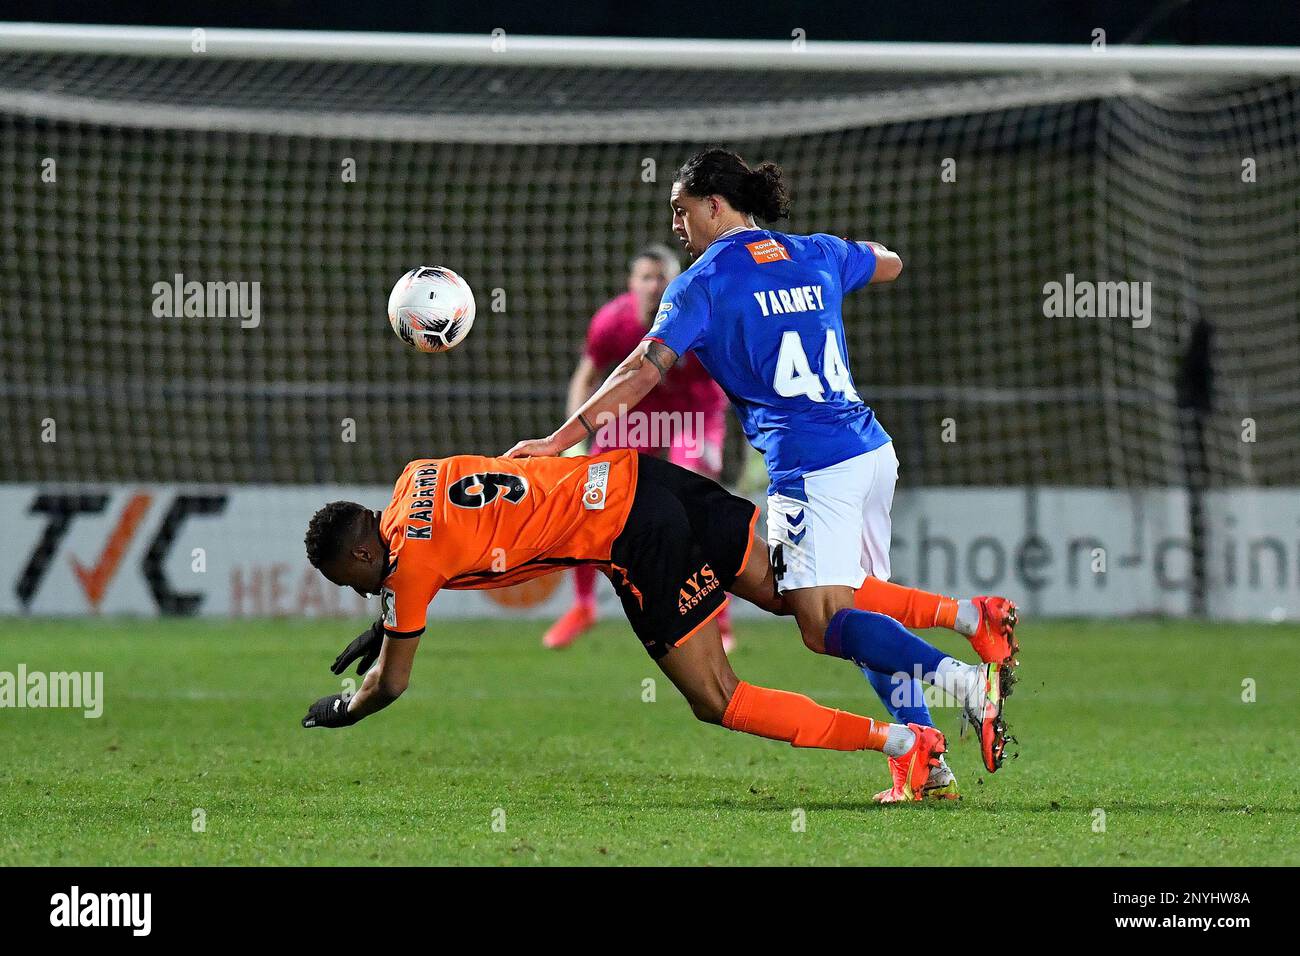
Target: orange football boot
(911, 771)
(995, 639)
(983, 710)
(941, 784)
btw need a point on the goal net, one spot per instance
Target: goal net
(1100, 285)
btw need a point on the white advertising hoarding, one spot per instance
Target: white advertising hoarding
(238, 551)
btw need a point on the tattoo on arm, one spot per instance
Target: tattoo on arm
(661, 357)
(591, 432)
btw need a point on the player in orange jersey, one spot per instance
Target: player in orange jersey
(671, 541)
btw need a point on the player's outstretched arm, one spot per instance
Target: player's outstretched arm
(383, 685)
(888, 264)
(632, 380)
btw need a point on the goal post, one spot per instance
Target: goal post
(795, 55)
(1074, 221)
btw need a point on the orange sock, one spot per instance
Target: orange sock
(800, 720)
(910, 607)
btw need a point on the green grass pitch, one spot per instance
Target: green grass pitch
(1141, 721)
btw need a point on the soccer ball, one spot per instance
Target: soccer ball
(431, 309)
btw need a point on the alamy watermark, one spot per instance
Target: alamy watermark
(75, 908)
(1085, 299)
(638, 429)
(921, 688)
(208, 300)
(79, 690)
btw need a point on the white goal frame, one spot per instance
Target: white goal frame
(793, 54)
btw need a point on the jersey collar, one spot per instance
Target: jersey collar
(389, 565)
(736, 231)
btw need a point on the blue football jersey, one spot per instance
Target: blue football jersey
(761, 310)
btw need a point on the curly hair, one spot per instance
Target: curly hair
(758, 192)
(331, 530)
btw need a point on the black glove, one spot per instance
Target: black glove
(365, 648)
(331, 711)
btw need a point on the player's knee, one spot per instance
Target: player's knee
(812, 627)
(710, 704)
(709, 711)
(814, 637)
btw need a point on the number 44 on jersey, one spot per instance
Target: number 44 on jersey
(794, 375)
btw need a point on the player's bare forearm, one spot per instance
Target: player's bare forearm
(632, 380)
(383, 684)
(338, 710)
(375, 694)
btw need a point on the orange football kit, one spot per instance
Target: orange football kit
(671, 541)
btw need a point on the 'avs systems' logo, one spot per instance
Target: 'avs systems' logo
(698, 586)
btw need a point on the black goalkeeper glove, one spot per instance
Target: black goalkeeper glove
(365, 648)
(331, 711)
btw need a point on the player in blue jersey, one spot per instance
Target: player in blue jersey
(761, 311)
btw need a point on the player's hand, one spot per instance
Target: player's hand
(331, 711)
(534, 448)
(364, 649)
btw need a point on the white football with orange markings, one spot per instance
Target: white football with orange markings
(431, 309)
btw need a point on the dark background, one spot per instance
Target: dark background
(1015, 21)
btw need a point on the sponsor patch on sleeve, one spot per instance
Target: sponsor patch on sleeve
(388, 604)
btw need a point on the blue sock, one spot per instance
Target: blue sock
(890, 688)
(880, 643)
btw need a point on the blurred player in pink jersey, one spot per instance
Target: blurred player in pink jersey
(683, 419)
